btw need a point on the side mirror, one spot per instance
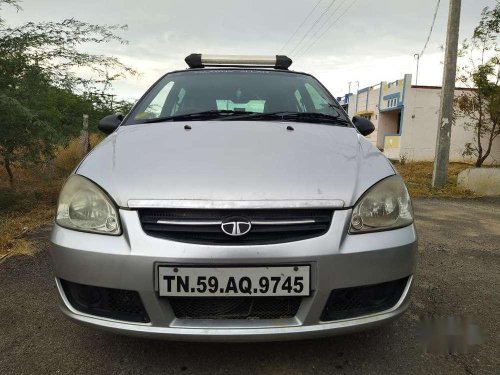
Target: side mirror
(109, 123)
(364, 126)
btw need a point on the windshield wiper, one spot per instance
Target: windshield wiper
(294, 116)
(213, 114)
(231, 115)
(316, 117)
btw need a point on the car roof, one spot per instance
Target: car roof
(238, 68)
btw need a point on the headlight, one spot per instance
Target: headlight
(84, 206)
(386, 205)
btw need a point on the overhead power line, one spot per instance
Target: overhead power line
(432, 27)
(328, 29)
(319, 29)
(312, 26)
(300, 26)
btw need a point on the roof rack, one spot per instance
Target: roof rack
(197, 60)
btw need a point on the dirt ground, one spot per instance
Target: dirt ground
(458, 274)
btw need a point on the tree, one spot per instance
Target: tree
(480, 106)
(14, 3)
(52, 51)
(49, 80)
(24, 139)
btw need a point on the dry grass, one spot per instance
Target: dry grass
(418, 178)
(31, 202)
(15, 226)
(24, 207)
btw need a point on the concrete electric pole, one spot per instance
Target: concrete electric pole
(439, 175)
(417, 57)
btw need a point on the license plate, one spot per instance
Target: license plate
(233, 281)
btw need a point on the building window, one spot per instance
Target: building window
(392, 102)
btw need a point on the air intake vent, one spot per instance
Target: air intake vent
(234, 226)
(348, 303)
(235, 308)
(106, 302)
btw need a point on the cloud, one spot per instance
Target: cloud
(373, 41)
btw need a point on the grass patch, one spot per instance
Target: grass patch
(418, 178)
(30, 206)
(15, 226)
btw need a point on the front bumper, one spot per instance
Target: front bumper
(337, 260)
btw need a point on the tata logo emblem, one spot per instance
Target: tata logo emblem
(236, 226)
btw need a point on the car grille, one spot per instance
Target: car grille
(105, 302)
(354, 302)
(203, 226)
(235, 307)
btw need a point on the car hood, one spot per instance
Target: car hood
(235, 161)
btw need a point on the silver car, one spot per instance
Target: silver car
(235, 202)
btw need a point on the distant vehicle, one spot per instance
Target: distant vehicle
(236, 201)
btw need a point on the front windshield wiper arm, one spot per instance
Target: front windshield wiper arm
(316, 116)
(293, 116)
(232, 115)
(212, 114)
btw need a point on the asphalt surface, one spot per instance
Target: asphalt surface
(458, 274)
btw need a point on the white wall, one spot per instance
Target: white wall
(351, 109)
(373, 100)
(419, 131)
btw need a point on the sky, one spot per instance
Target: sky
(361, 41)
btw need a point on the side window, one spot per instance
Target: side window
(319, 102)
(154, 109)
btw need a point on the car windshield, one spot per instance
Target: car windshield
(232, 93)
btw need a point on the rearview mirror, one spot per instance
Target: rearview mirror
(364, 126)
(109, 123)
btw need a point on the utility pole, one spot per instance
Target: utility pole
(417, 57)
(439, 175)
(350, 87)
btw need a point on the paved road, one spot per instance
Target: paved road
(458, 273)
